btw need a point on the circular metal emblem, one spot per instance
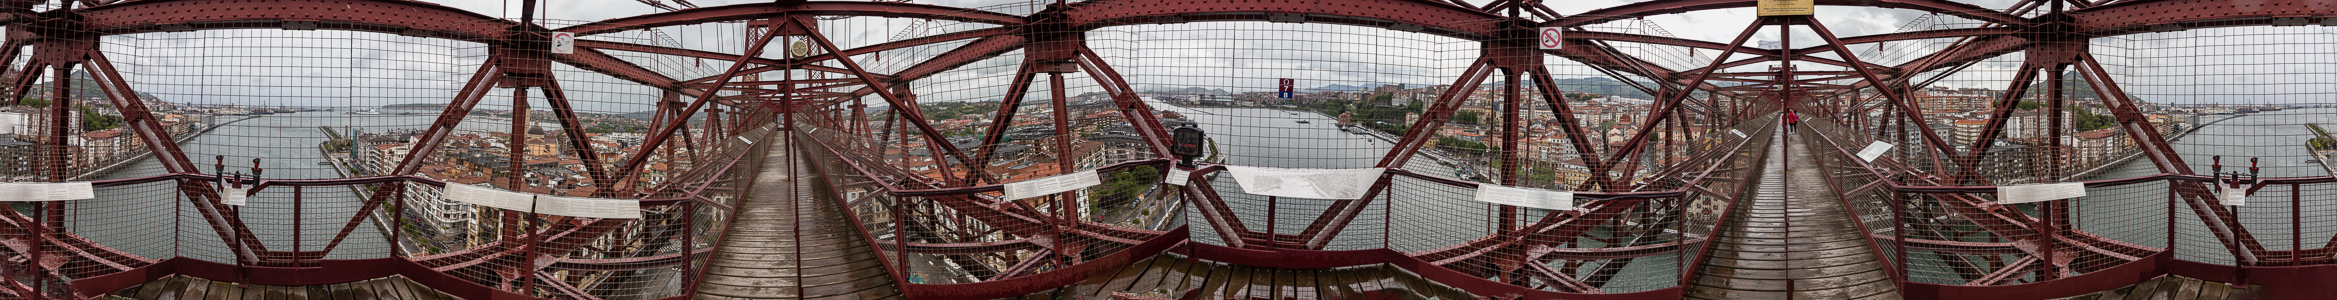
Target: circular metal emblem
(800, 49)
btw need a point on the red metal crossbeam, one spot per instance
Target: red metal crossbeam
(1664, 108)
(774, 10)
(632, 166)
(400, 17)
(573, 127)
(1649, 8)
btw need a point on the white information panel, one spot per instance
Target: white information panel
(234, 196)
(1740, 134)
(2014, 194)
(513, 201)
(1553, 38)
(1305, 183)
(2233, 196)
(1052, 185)
(1525, 197)
(564, 43)
(1177, 176)
(744, 140)
(1873, 150)
(588, 207)
(58, 191)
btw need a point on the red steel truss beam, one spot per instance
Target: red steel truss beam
(774, 10)
(596, 61)
(1649, 8)
(574, 129)
(1573, 128)
(1437, 113)
(400, 17)
(2164, 15)
(632, 166)
(1666, 107)
(1914, 114)
(2220, 220)
(1004, 118)
(2021, 79)
(1402, 15)
(1124, 96)
(897, 103)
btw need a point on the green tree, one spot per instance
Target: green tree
(91, 120)
(1460, 144)
(1125, 185)
(33, 102)
(2088, 121)
(1542, 177)
(1579, 96)
(2026, 105)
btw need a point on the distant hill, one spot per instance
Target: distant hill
(1604, 86)
(1188, 91)
(416, 106)
(1594, 85)
(82, 86)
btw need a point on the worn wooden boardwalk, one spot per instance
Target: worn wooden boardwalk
(1170, 276)
(790, 240)
(2176, 288)
(1792, 239)
(183, 287)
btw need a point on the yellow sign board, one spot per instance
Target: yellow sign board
(1786, 7)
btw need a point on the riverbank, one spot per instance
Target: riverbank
(2130, 157)
(341, 166)
(181, 139)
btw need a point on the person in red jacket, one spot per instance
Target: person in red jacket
(1790, 119)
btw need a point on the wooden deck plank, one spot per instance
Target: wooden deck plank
(2145, 289)
(2214, 290)
(2188, 290)
(153, 289)
(196, 288)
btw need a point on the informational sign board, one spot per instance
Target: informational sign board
(234, 196)
(1553, 38)
(1177, 176)
(1305, 183)
(2233, 196)
(1786, 7)
(506, 200)
(588, 207)
(2016, 194)
(543, 204)
(1524, 197)
(1873, 150)
(44, 191)
(563, 43)
(1740, 134)
(1052, 185)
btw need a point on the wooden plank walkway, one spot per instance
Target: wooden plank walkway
(1171, 276)
(790, 240)
(183, 287)
(2173, 287)
(1792, 239)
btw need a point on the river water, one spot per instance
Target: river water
(150, 220)
(1421, 216)
(2139, 213)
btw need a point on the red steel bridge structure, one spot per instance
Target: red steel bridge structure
(784, 111)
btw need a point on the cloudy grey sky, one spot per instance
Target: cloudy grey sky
(363, 69)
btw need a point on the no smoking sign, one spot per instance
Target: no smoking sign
(1553, 38)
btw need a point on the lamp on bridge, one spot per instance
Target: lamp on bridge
(1187, 144)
